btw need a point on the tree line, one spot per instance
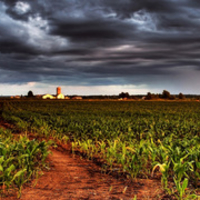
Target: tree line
(165, 95)
(125, 95)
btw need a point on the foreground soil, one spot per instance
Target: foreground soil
(71, 177)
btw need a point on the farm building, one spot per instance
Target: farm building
(77, 98)
(48, 96)
(59, 95)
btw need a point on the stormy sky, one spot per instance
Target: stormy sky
(99, 46)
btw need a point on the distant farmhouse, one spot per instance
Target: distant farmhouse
(77, 98)
(59, 95)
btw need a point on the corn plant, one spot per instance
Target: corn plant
(20, 160)
(181, 190)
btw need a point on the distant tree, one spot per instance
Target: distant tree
(127, 95)
(172, 97)
(124, 95)
(30, 94)
(152, 96)
(181, 96)
(133, 97)
(166, 94)
(149, 96)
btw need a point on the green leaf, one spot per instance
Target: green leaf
(24, 156)
(19, 173)
(10, 169)
(198, 165)
(1, 159)
(185, 184)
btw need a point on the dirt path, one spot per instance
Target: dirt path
(73, 178)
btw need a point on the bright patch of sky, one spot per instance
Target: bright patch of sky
(34, 31)
(124, 48)
(37, 21)
(121, 48)
(22, 7)
(111, 15)
(42, 88)
(37, 29)
(143, 20)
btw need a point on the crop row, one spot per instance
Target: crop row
(21, 160)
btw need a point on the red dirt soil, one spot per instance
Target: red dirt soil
(71, 178)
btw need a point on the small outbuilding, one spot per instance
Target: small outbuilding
(77, 98)
(48, 96)
(60, 96)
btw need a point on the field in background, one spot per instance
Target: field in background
(137, 139)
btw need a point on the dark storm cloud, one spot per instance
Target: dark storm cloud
(73, 52)
(125, 9)
(85, 40)
(13, 46)
(90, 29)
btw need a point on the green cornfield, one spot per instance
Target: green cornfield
(140, 139)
